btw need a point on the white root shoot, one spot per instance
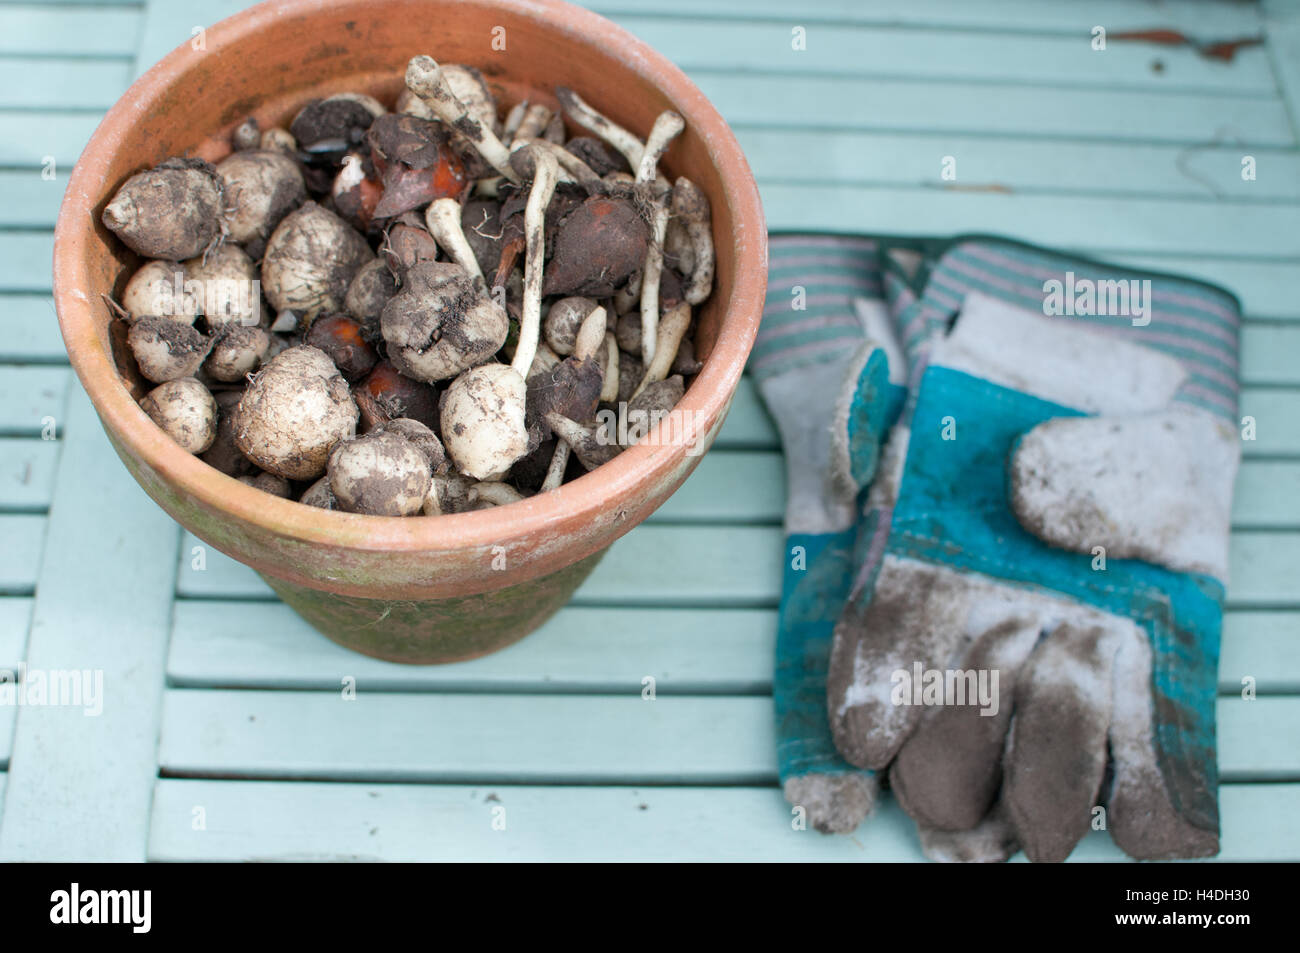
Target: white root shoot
(650, 277)
(623, 141)
(691, 206)
(546, 172)
(497, 494)
(591, 335)
(668, 126)
(424, 78)
(532, 125)
(577, 170)
(671, 331)
(559, 463)
(513, 119)
(609, 388)
(443, 220)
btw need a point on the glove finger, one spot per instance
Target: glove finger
(947, 774)
(834, 803)
(1143, 820)
(991, 841)
(1056, 749)
(915, 612)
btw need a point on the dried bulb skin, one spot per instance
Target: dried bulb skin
(236, 352)
(592, 446)
(276, 139)
(628, 333)
(421, 437)
(598, 156)
(224, 280)
(379, 474)
(167, 350)
(483, 425)
(223, 455)
(247, 135)
(173, 211)
(656, 397)
(480, 220)
(543, 361)
(185, 411)
(158, 288)
(447, 494)
(407, 245)
(630, 372)
(386, 394)
(597, 248)
(571, 388)
(310, 261)
(335, 123)
(293, 412)
(319, 495)
(441, 323)
(371, 289)
(340, 336)
(560, 328)
(268, 483)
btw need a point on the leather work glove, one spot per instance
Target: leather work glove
(827, 385)
(1032, 651)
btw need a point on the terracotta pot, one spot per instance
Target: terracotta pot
(419, 589)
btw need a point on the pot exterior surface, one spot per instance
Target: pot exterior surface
(435, 631)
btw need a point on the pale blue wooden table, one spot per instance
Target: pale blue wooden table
(224, 734)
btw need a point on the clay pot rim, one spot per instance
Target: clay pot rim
(626, 477)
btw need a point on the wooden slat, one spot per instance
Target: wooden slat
(30, 200)
(1264, 646)
(1267, 495)
(25, 260)
(27, 138)
(27, 473)
(221, 644)
(1283, 46)
(686, 651)
(808, 102)
(1002, 16)
(21, 536)
(1028, 165)
(1268, 354)
(29, 82)
(69, 32)
(556, 738)
(730, 486)
(103, 598)
(1277, 416)
(756, 47)
(30, 394)
(259, 820)
(15, 617)
(550, 739)
(1264, 569)
(1126, 225)
(30, 330)
(1259, 740)
(739, 566)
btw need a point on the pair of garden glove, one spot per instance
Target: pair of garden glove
(1010, 477)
